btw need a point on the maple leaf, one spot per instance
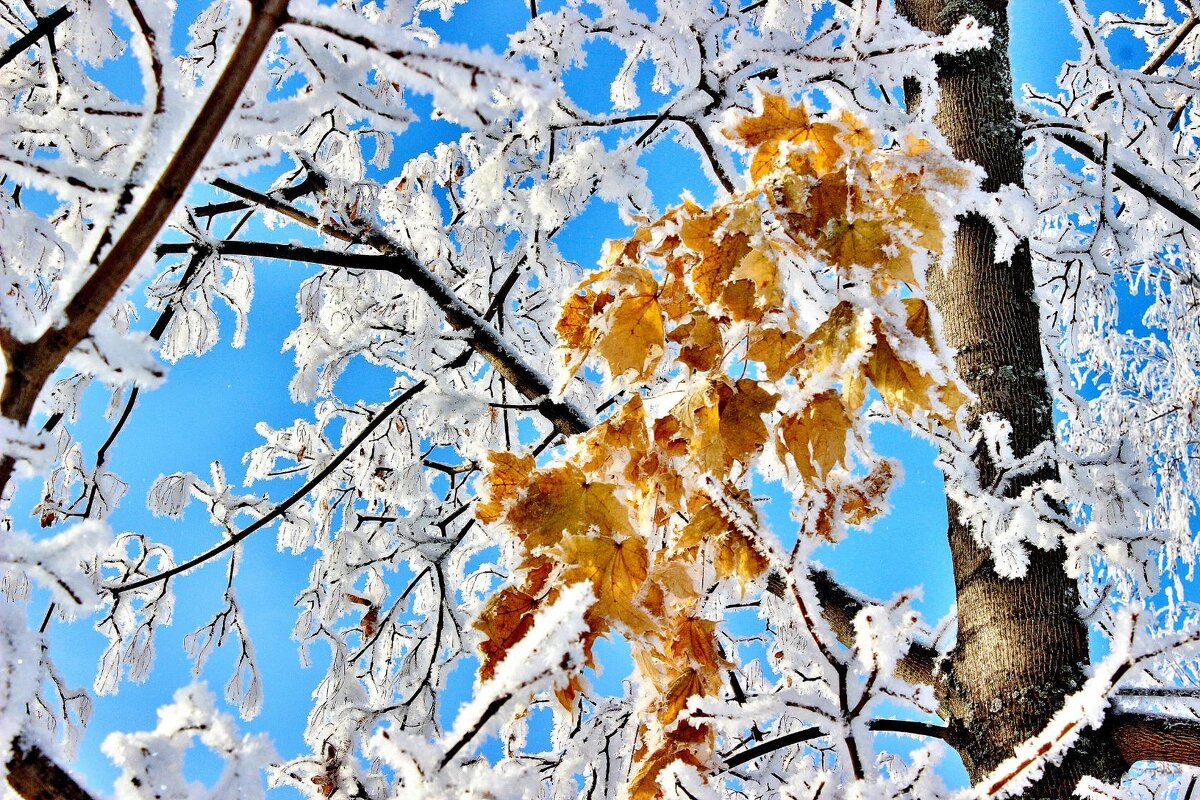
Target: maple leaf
(694, 641)
(633, 338)
(700, 340)
(507, 617)
(816, 436)
(564, 501)
(920, 214)
(777, 350)
(506, 476)
(862, 241)
(616, 569)
(901, 383)
(740, 415)
(837, 342)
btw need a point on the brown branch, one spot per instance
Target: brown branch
(44, 27)
(311, 183)
(35, 776)
(839, 607)
(1152, 737)
(906, 726)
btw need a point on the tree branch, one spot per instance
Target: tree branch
(35, 776)
(282, 508)
(45, 27)
(839, 607)
(1152, 737)
(1080, 143)
(1158, 59)
(31, 364)
(567, 418)
(911, 727)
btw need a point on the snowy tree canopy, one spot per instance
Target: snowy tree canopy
(551, 561)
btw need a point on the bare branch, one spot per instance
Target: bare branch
(35, 776)
(1152, 737)
(482, 335)
(1083, 145)
(911, 727)
(44, 27)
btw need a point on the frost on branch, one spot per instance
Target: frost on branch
(152, 762)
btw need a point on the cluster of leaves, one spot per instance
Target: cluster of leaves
(716, 349)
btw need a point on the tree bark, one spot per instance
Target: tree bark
(1021, 645)
(32, 775)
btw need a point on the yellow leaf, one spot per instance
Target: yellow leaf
(860, 241)
(760, 269)
(633, 338)
(777, 350)
(692, 683)
(741, 419)
(901, 383)
(858, 133)
(575, 332)
(701, 344)
(717, 261)
(919, 213)
(616, 570)
(865, 499)
(694, 642)
(563, 501)
(506, 477)
(507, 617)
(816, 436)
(737, 557)
(623, 439)
(778, 120)
(836, 341)
(706, 524)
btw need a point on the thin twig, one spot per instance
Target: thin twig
(283, 507)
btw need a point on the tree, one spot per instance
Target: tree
(892, 240)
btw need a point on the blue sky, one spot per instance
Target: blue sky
(208, 407)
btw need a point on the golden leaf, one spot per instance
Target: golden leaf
(633, 338)
(760, 270)
(919, 213)
(616, 570)
(575, 332)
(717, 261)
(865, 499)
(741, 419)
(901, 383)
(692, 683)
(816, 436)
(506, 476)
(694, 641)
(738, 557)
(836, 341)
(777, 350)
(563, 501)
(507, 617)
(701, 344)
(861, 241)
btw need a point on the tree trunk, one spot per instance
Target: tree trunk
(1021, 645)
